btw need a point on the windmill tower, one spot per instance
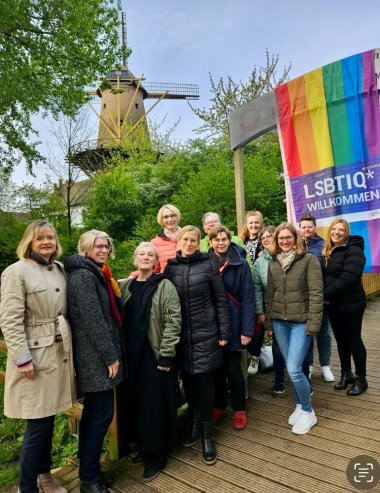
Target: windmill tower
(122, 109)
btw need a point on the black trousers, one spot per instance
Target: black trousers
(232, 372)
(35, 457)
(97, 414)
(347, 328)
(200, 394)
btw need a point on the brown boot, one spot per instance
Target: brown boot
(47, 484)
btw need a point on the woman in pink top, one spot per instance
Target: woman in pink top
(166, 240)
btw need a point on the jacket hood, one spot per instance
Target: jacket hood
(356, 240)
(76, 262)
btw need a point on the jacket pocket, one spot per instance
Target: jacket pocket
(42, 350)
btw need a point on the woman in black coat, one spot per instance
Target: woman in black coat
(343, 263)
(95, 313)
(205, 329)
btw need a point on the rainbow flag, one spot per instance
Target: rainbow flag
(329, 126)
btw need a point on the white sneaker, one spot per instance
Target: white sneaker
(253, 365)
(304, 423)
(293, 418)
(327, 374)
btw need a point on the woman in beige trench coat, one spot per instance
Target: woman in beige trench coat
(39, 380)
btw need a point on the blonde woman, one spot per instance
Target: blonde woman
(95, 313)
(343, 263)
(168, 217)
(205, 329)
(152, 327)
(39, 380)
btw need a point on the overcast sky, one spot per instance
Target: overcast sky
(183, 41)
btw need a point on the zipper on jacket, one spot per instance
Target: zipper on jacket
(168, 315)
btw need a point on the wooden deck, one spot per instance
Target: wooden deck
(267, 457)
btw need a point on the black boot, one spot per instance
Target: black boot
(194, 435)
(346, 378)
(360, 385)
(208, 443)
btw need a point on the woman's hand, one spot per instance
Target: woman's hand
(244, 340)
(270, 331)
(113, 370)
(222, 342)
(163, 368)
(261, 318)
(27, 371)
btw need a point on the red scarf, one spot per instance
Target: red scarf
(114, 295)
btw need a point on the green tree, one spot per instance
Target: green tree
(229, 95)
(114, 204)
(49, 52)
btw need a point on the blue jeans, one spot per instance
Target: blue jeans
(294, 344)
(35, 457)
(323, 343)
(97, 414)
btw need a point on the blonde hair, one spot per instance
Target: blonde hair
(244, 235)
(87, 240)
(188, 228)
(144, 244)
(171, 208)
(329, 244)
(274, 248)
(25, 246)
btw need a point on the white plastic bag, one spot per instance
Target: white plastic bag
(266, 358)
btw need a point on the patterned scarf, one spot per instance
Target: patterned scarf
(286, 259)
(114, 295)
(172, 235)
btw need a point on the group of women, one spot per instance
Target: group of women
(183, 310)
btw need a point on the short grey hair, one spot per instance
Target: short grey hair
(87, 240)
(209, 214)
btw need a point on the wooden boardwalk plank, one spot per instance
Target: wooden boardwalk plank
(267, 457)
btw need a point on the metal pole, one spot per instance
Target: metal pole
(239, 188)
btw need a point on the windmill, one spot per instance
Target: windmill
(122, 109)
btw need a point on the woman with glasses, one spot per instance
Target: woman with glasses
(229, 260)
(95, 314)
(294, 311)
(168, 217)
(260, 276)
(39, 379)
(205, 329)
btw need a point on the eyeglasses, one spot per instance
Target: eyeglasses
(285, 238)
(268, 237)
(102, 247)
(210, 223)
(220, 240)
(169, 216)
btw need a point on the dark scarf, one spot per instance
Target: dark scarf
(221, 262)
(40, 259)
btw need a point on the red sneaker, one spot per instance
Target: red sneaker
(239, 420)
(218, 414)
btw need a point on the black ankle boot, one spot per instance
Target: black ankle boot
(194, 435)
(346, 378)
(360, 385)
(208, 443)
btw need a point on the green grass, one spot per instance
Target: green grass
(11, 433)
